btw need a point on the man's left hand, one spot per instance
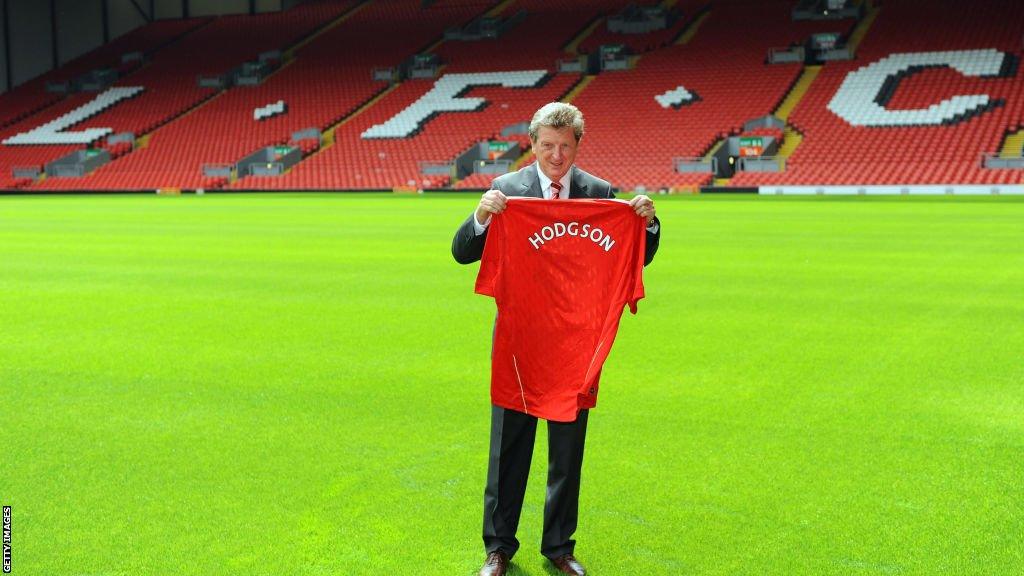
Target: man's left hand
(644, 206)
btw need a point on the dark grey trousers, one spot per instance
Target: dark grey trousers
(512, 437)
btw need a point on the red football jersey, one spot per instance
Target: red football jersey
(560, 272)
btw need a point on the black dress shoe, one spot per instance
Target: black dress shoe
(568, 564)
(496, 564)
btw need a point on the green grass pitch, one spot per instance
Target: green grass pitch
(297, 384)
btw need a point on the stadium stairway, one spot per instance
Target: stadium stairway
(573, 47)
(500, 8)
(579, 87)
(791, 136)
(329, 137)
(1013, 146)
(690, 30)
(289, 52)
(799, 90)
(862, 27)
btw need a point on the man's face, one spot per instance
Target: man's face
(555, 149)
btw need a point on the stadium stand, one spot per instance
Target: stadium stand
(318, 89)
(684, 13)
(34, 104)
(636, 145)
(32, 97)
(374, 163)
(918, 104)
(171, 89)
(936, 145)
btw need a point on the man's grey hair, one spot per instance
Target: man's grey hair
(557, 115)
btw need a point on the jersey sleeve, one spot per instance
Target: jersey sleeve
(636, 266)
(490, 262)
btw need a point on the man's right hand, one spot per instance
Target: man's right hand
(492, 202)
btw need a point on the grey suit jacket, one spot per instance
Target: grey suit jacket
(467, 247)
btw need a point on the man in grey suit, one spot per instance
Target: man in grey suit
(555, 133)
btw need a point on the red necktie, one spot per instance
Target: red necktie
(556, 188)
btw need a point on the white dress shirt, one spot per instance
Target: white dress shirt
(546, 189)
